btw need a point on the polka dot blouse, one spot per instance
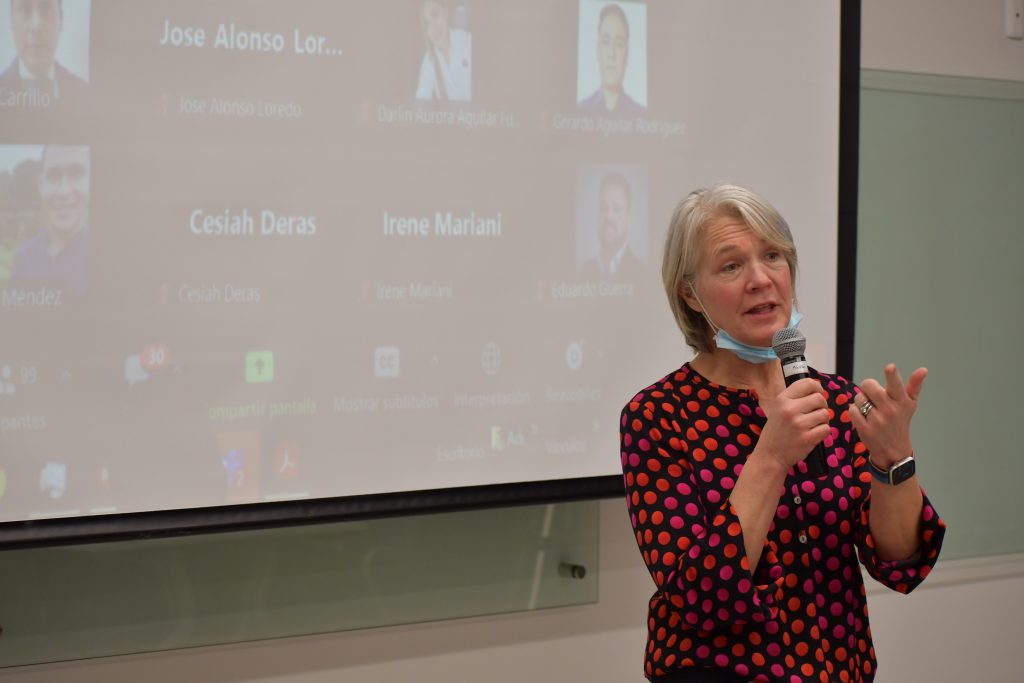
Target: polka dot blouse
(803, 615)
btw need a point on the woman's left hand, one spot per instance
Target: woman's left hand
(885, 427)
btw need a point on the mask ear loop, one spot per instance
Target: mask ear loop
(703, 309)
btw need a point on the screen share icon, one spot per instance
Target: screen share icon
(259, 367)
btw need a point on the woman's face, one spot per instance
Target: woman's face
(743, 282)
(435, 22)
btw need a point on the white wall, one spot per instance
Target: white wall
(948, 37)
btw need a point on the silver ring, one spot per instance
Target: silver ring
(867, 408)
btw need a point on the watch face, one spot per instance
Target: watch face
(903, 471)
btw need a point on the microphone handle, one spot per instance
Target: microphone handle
(793, 369)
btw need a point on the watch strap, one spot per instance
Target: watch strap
(895, 475)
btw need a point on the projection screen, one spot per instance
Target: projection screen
(259, 251)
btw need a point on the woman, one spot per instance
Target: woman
(446, 69)
(755, 560)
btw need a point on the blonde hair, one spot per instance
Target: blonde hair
(684, 247)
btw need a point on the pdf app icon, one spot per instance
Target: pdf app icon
(286, 460)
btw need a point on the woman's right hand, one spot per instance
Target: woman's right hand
(797, 422)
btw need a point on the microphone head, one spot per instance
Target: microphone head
(789, 342)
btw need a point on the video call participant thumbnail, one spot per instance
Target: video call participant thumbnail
(612, 63)
(19, 208)
(56, 255)
(36, 27)
(446, 69)
(614, 257)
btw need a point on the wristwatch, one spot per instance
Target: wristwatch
(897, 474)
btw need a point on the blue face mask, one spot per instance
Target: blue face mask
(753, 354)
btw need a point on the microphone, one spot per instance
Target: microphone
(789, 345)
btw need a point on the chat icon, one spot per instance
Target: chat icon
(133, 370)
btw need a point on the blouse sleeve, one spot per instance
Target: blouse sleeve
(899, 575)
(902, 575)
(692, 547)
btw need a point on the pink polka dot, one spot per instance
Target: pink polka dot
(691, 509)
